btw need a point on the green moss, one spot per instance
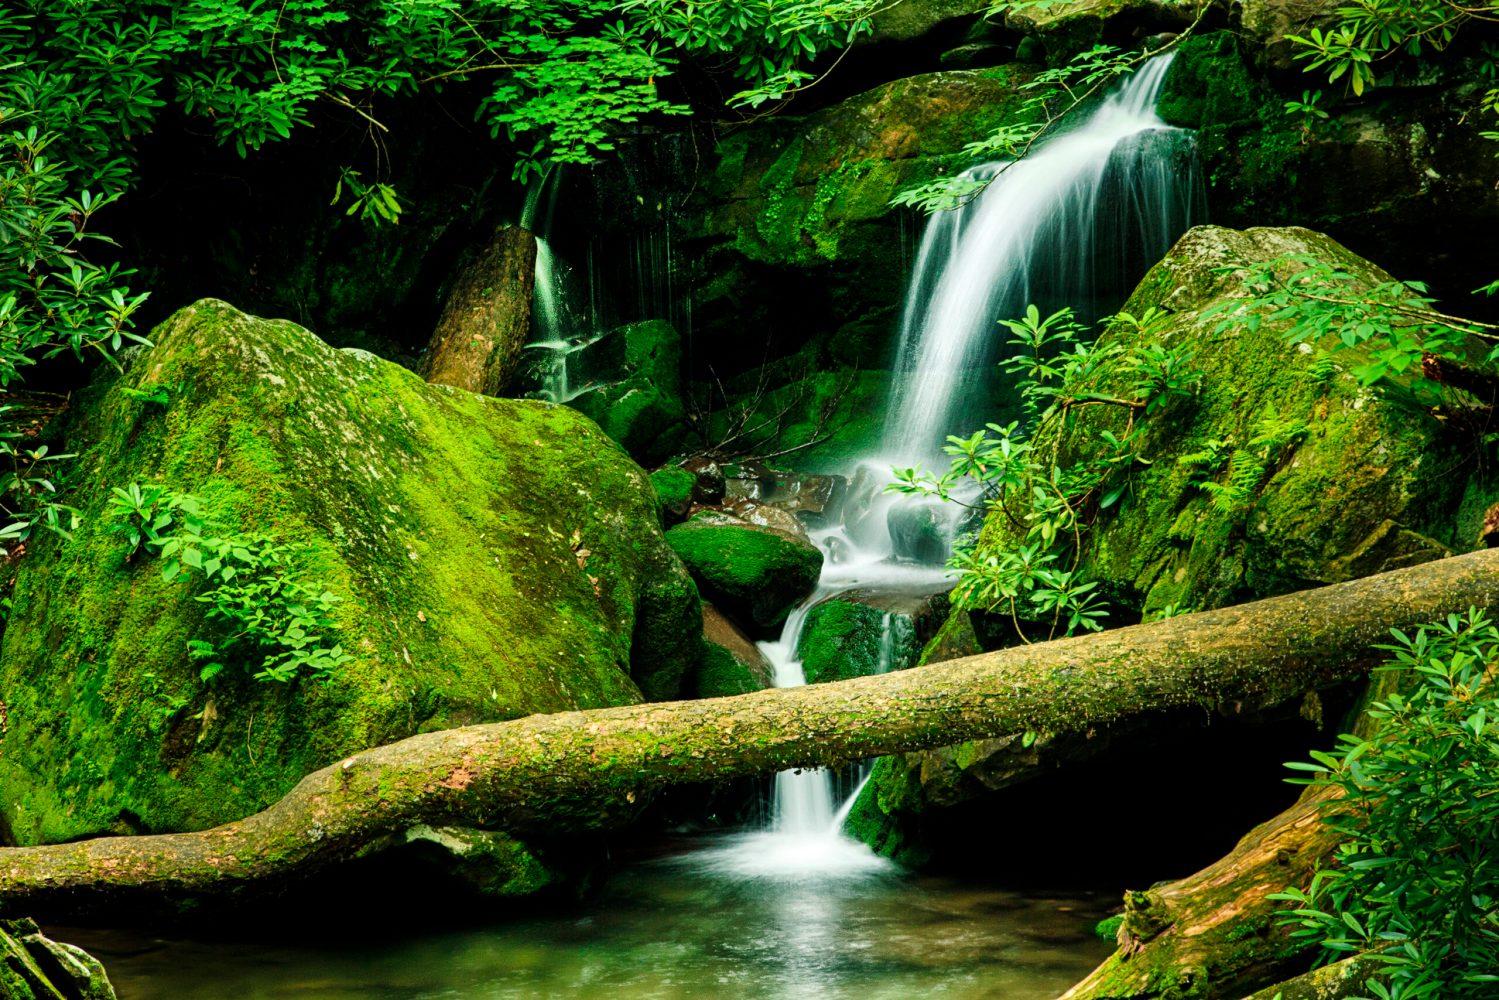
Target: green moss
(1107, 929)
(720, 673)
(674, 488)
(495, 557)
(752, 573)
(842, 638)
(642, 406)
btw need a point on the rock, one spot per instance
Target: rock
(858, 633)
(1365, 489)
(494, 558)
(911, 20)
(792, 232)
(732, 663)
(766, 515)
(674, 488)
(756, 575)
(1369, 487)
(488, 862)
(711, 486)
(1380, 177)
(34, 967)
(921, 530)
(636, 374)
(1264, 24)
(1069, 28)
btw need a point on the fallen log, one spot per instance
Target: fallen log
(1215, 933)
(543, 771)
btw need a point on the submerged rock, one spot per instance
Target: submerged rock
(493, 558)
(754, 574)
(34, 967)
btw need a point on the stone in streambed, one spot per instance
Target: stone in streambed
(731, 662)
(754, 574)
(862, 632)
(34, 967)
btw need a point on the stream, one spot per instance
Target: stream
(664, 929)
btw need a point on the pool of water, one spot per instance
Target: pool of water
(663, 930)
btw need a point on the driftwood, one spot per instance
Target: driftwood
(487, 316)
(546, 771)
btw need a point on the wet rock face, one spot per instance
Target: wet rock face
(493, 558)
(34, 967)
(861, 632)
(1382, 176)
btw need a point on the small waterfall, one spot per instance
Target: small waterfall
(560, 326)
(1073, 224)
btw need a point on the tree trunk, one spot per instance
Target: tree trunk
(555, 771)
(487, 317)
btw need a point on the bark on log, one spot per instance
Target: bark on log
(545, 769)
(487, 317)
(1331, 982)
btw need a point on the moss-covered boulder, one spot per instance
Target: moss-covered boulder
(674, 488)
(634, 376)
(493, 558)
(731, 662)
(34, 967)
(754, 574)
(1367, 481)
(861, 632)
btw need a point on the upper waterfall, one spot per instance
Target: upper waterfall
(1073, 224)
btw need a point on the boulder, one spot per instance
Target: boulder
(492, 558)
(754, 574)
(1374, 483)
(731, 662)
(861, 632)
(34, 967)
(674, 488)
(634, 379)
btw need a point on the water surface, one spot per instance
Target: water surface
(662, 930)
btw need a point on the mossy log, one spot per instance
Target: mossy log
(1213, 934)
(487, 316)
(1331, 982)
(558, 770)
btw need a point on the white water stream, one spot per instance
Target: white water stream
(1048, 229)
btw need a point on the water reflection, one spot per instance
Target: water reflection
(664, 931)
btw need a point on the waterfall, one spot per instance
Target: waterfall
(1073, 224)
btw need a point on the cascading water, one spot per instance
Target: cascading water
(1073, 224)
